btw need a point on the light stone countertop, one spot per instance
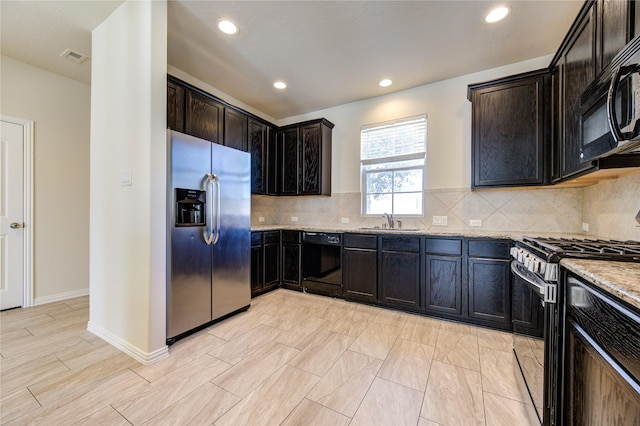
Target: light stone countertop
(512, 235)
(622, 279)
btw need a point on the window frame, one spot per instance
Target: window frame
(393, 159)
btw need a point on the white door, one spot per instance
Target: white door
(11, 215)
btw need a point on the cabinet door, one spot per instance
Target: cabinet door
(443, 287)
(291, 263)
(257, 281)
(527, 316)
(310, 159)
(360, 274)
(289, 173)
(400, 279)
(615, 29)
(235, 129)
(510, 133)
(203, 117)
(271, 265)
(489, 292)
(175, 106)
(274, 162)
(258, 150)
(578, 65)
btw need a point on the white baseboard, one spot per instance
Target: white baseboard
(145, 358)
(60, 296)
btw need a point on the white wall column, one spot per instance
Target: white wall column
(128, 179)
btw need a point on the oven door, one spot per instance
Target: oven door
(537, 356)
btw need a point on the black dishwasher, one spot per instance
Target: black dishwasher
(322, 263)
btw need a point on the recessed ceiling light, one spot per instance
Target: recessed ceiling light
(385, 83)
(496, 14)
(280, 85)
(227, 27)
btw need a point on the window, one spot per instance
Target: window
(392, 168)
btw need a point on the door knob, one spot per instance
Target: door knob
(15, 225)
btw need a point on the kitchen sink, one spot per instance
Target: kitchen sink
(378, 229)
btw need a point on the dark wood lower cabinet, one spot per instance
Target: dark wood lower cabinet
(265, 261)
(359, 269)
(291, 260)
(489, 290)
(444, 277)
(399, 263)
(443, 287)
(489, 282)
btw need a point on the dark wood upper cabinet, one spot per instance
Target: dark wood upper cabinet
(203, 117)
(315, 159)
(615, 29)
(306, 158)
(235, 129)
(289, 161)
(175, 106)
(578, 71)
(258, 150)
(274, 171)
(511, 130)
(294, 160)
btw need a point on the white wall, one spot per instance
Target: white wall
(448, 126)
(128, 223)
(60, 109)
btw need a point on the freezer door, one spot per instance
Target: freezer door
(189, 263)
(232, 253)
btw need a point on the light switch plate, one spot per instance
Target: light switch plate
(125, 177)
(440, 220)
(475, 222)
(261, 219)
(294, 218)
(585, 226)
(344, 220)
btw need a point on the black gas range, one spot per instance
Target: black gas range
(536, 263)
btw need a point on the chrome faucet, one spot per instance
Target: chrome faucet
(389, 218)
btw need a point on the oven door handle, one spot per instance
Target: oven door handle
(548, 292)
(532, 281)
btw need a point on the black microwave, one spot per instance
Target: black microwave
(610, 108)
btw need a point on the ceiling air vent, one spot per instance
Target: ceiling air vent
(73, 56)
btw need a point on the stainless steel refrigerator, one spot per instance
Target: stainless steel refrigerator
(209, 193)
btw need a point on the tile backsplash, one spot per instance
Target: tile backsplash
(609, 208)
(540, 210)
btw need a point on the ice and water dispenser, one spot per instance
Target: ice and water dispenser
(190, 207)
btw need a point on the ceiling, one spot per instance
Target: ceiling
(328, 52)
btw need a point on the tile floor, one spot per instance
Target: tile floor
(292, 359)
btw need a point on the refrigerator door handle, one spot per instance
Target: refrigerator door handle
(215, 210)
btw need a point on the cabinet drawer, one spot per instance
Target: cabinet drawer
(494, 249)
(405, 244)
(256, 238)
(291, 237)
(272, 237)
(444, 246)
(361, 241)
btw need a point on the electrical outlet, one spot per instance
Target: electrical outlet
(475, 222)
(294, 218)
(261, 219)
(344, 220)
(585, 226)
(440, 220)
